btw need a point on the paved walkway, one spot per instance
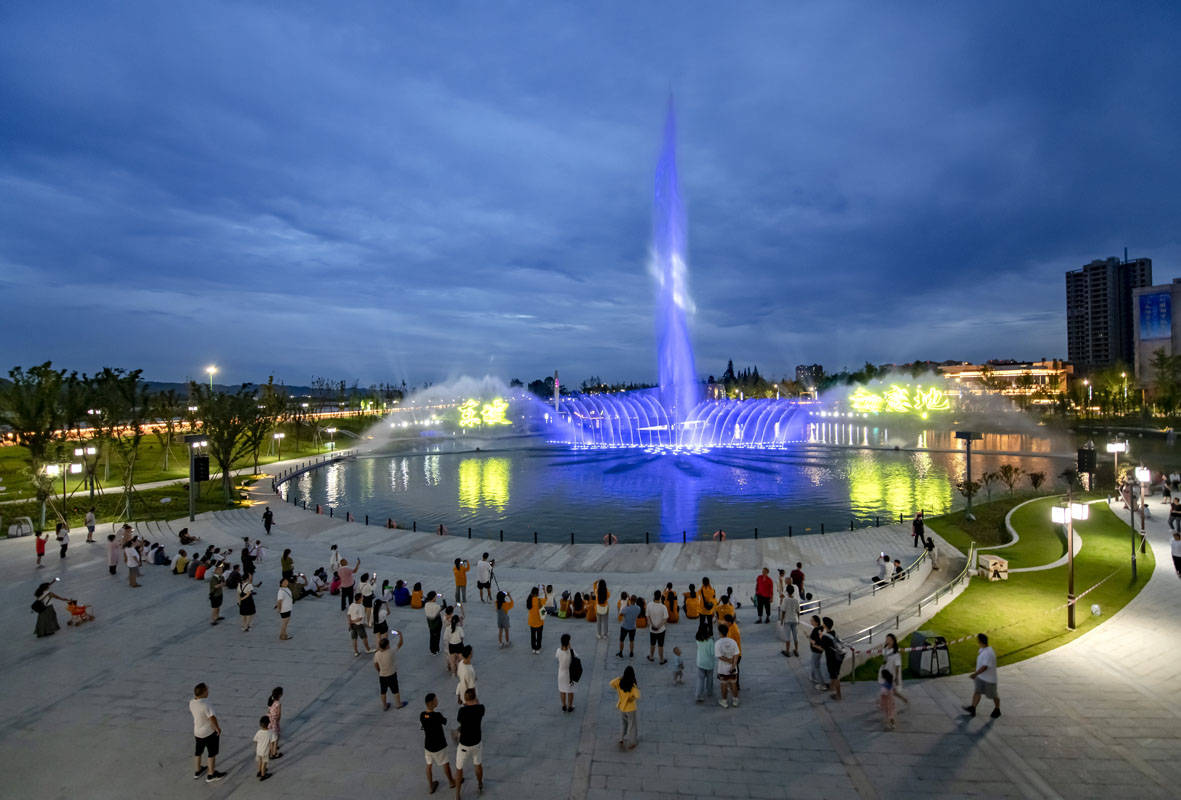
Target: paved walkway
(101, 711)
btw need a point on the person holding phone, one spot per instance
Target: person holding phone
(47, 623)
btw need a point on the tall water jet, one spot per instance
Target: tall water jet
(679, 390)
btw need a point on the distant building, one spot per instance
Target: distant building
(1155, 326)
(809, 375)
(1010, 378)
(1099, 311)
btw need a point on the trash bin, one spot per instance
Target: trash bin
(928, 656)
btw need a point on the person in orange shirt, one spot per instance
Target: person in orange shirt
(534, 603)
(692, 603)
(504, 604)
(670, 602)
(723, 608)
(460, 572)
(707, 592)
(416, 596)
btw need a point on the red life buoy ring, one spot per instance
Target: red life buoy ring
(720, 535)
(610, 539)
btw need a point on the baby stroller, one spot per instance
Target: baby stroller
(79, 613)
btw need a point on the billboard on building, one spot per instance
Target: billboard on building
(1156, 316)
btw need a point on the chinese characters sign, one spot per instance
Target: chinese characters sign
(899, 399)
(473, 414)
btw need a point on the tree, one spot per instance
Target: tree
(987, 480)
(1009, 474)
(224, 419)
(1166, 382)
(30, 404)
(267, 410)
(1036, 479)
(124, 406)
(968, 489)
(167, 407)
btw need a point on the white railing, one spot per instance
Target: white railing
(817, 606)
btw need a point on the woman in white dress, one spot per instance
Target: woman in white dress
(565, 685)
(894, 664)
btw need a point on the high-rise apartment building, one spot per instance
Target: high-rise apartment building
(809, 375)
(1099, 311)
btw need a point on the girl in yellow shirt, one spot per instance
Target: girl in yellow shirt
(534, 603)
(692, 603)
(629, 695)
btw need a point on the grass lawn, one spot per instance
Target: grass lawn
(1017, 614)
(987, 530)
(150, 460)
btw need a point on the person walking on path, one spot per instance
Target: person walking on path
(893, 664)
(207, 732)
(385, 661)
(764, 591)
(132, 559)
(460, 572)
(706, 662)
(484, 577)
(628, 615)
(63, 539)
(246, 608)
(216, 591)
(43, 598)
(454, 640)
(114, 552)
(917, 531)
(726, 653)
(274, 716)
(333, 559)
(1176, 549)
(985, 678)
(347, 581)
(90, 524)
(471, 744)
(657, 620)
(834, 656)
(355, 621)
(797, 580)
(433, 611)
(533, 604)
(39, 545)
(819, 678)
(465, 674)
(789, 617)
(504, 604)
(264, 739)
(600, 601)
(564, 654)
(434, 730)
(628, 692)
(268, 519)
(932, 553)
(283, 604)
(886, 697)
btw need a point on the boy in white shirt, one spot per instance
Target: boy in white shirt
(263, 738)
(985, 677)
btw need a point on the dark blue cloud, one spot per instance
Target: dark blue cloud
(381, 192)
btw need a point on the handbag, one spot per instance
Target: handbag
(37, 606)
(575, 667)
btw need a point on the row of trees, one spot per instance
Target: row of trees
(1009, 475)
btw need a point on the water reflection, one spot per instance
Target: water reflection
(484, 483)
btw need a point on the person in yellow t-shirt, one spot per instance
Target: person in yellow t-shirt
(629, 695)
(416, 596)
(534, 603)
(692, 603)
(460, 572)
(707, 592)
(724, 607)
(669, 598)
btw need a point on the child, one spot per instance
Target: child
(886, 699)
(264, 739)
(678, 667)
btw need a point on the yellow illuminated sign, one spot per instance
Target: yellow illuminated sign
(494, 413)
(472, 414)
(899, 399)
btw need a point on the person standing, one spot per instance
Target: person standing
(1176, 550)
(600, 601)
(819, 680)
(797, 580)
(43, 598)
(132, 559)
(564, 654)
(893, 665)
(628, 699)
(726, 653)
(886, 697)
(385, 661)
(1175, 514)
(287, 565)
(63, 539)
(504, 604)
(834, 656)
(932, 553)
(247, 559)
(355, 621)
(90, 524)
(917, 530)
(381, 625)
(268, 519)
(207, 732)
(347, 581)
(434, 743)
(706, 661)
(283, 604)
(789, 617)
(460, 571)
(39, 545)
(274, 717)
(985, 678)
(657, 620)
(263, 738)
(216, 590)
(533, 604)
(764, 591)
(433, 612)
(246, 608)
(333, 559)
(471, 745)
(484, 577)
(114, 552)
(465, 674)
(367, 591)
(628, 615)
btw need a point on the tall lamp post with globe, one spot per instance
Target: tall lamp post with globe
(1065, 514)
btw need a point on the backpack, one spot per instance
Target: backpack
(232, 580)
(575, 667)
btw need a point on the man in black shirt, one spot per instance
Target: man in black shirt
(916, 529)
(435, 744)
(470, 744)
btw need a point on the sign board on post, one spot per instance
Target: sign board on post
(200, 468)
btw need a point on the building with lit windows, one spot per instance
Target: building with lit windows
(1099, 311)
(1011, 378)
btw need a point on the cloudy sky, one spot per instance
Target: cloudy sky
(393, 190)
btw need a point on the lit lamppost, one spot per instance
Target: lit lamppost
(1144, 477)
(198, 469)
(211, 369)
(86, 453)
(1115, 448)
(332, 442)
(1124, 375)
(279, 445)
(1087, 383)
(968, 437)
(1065, 515)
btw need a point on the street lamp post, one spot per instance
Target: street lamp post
(1144, 477)
(85, 454)
(1115, 448)
(279, 443)
(211, 369)
(1065, 515)
(332, 441)
(968, 437)
(195, 443)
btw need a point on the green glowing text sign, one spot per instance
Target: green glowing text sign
(899, 399)
(473, 414)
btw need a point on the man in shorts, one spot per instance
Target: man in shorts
(216, 585)
(356, 624)
(627, 626)
(471, 746)
(984, 677)
(386, 664)
(657, 619)
(726, 653)
(207, 732)
(283, 603)
(435, 742)
(484, 577)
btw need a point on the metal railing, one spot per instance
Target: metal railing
(817, 606)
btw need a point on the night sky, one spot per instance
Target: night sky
(390, 190)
